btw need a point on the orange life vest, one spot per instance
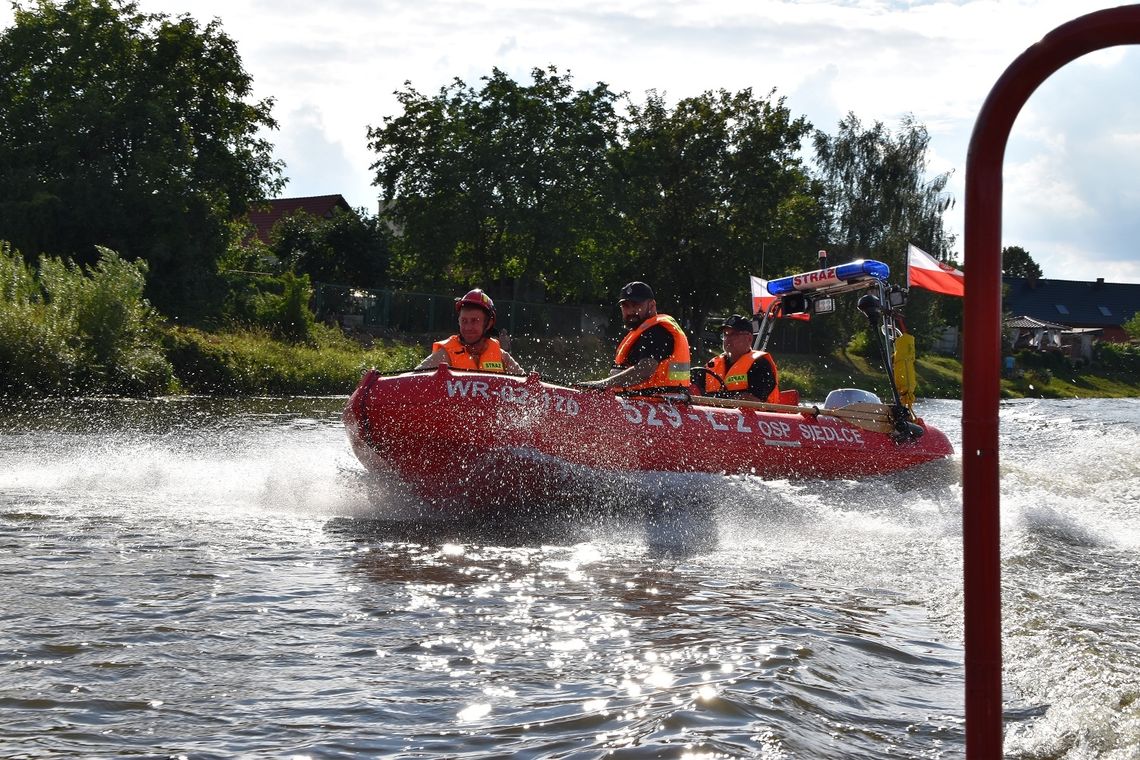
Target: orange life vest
(491, 360)
(736, 376)
(673, 370)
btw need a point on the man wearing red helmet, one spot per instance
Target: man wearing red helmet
(655, 351)
(473, 347)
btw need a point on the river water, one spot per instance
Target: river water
(201, 578)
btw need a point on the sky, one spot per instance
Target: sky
(1071, 196)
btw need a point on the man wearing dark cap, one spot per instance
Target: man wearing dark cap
(654, 353)
(740, 372)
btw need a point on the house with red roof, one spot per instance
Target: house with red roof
(265, 214)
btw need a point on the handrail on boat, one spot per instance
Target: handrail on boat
(981, 379)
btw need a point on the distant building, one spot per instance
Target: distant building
(1105, 306)
(265, 214)
(1034, 334)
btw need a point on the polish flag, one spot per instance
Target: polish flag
(924, 271)
(761, 298)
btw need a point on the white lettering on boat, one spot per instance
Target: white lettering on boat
(513, 394)
(652, 415)
(467, 388)
(716, 424)
(566, 405)
(832, 434)
(740, 426)
(773, 429)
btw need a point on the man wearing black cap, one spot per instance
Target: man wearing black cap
(654, 353)
(740, 372)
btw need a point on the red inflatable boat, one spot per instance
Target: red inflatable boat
(486, 439)
(477, 439)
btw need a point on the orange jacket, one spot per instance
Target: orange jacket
(736, 376)
(491, 360)
(673, 371)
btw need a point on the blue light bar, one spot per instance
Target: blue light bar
(822, 278)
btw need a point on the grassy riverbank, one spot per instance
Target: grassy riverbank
(251, 362)
(244, 362)
(941, 377)
(71, 331)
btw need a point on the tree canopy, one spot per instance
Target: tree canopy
(550, 183)
(1016, 262)
(507, 181)
(709, 189)
(346, 248)
(129, 130)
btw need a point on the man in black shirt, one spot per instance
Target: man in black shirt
(654, 353)
(739, 372)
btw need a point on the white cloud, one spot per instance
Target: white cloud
(1071, 159)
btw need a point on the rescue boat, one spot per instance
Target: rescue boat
(478, 438)
(461, 438)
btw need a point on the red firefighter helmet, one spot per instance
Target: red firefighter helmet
(479, 300)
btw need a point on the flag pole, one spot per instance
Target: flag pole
(908, 245)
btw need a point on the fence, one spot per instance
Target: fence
(410, 312)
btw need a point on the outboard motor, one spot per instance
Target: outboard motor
(841, 397)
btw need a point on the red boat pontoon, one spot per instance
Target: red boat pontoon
(484, 438)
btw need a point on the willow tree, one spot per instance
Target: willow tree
(132, 131)
(505, 183)
(878, 197)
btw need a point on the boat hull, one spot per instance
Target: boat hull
(487, 439)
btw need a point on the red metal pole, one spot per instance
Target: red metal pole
(981, 367)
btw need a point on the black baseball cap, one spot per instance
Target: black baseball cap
(737, 322)
(636, 291)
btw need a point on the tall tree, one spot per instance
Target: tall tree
(714, 189)
(506, 182)
(1016, 262)
(129, 130)
(879, 197)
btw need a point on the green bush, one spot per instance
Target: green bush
(1121, 357)
(1132, 326)
(78, 331)
(862, 345)
(278, 304)
(35, 357)
(252, 362)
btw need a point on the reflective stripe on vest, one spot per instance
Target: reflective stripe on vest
(490, 360)
(736, 376)
(673, 371)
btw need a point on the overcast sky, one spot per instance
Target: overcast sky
(1072, 170)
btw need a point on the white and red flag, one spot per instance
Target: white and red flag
(761, 298)
(926, 272)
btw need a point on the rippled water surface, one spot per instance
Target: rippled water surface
(202, 578)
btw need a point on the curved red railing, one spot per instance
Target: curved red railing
(981, 366)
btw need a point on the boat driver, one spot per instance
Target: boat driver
(653, 354)
(739, 372)
(473, 347)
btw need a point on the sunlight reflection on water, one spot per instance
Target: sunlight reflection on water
(223, 578)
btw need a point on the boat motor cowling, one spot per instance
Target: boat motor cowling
(871, 307)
